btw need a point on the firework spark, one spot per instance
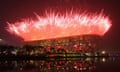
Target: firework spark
(55, 25)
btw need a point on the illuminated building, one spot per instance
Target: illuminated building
(76, 44)
(72, 32)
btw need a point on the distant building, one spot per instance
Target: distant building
(75, 44)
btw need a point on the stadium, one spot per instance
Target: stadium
(61, 33)
(74, 44)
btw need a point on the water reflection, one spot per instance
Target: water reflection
(52, 65)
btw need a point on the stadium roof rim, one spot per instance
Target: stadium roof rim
(93, 35)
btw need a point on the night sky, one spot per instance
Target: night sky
(14, 10)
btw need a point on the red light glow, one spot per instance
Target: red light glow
(55, 25)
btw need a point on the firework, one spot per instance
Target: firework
(56, 25)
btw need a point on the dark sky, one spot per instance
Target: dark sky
(14, 10)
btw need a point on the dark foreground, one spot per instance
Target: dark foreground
(76, 64)
(51, 55)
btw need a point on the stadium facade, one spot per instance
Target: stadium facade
(74, 44)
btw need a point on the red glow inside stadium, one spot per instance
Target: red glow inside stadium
(56, 25)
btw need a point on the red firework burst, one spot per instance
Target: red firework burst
(59, 25)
